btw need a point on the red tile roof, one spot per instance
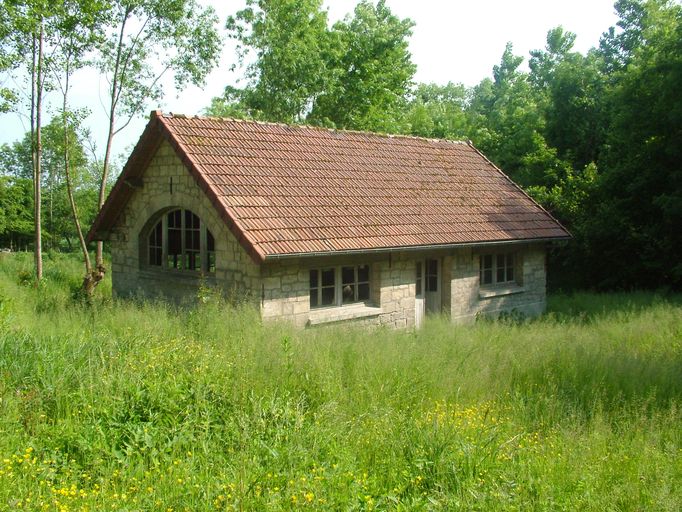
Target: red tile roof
(286, 190)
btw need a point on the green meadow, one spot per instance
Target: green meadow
(123, 405)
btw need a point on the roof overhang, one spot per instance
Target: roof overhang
(414, 248)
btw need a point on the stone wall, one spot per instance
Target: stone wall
(236, 273)
(527, 297)
(285, 293)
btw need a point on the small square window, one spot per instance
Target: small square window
(497, 268)
(328, 277)
(347, 275)
(363, 291)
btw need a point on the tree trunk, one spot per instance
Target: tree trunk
(36, 108)
(92, 276)
(99, 258)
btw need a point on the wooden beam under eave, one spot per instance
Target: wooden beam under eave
(134, 182)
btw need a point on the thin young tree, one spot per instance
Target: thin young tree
(27, 36)
(81, 26)
(148, 40)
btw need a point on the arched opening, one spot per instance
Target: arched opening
(179, 240)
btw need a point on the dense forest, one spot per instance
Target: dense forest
(595, 138)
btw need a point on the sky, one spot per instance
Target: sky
(452, 41)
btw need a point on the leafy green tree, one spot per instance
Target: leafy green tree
(16, 161)
(231, 104)
(617, 45)
(373, 72)
(32, 30)
(571, 90)
(7, 56)
(506, 119)
(83, 25)
(634, 232)
(355, 75)
(290, 44)
(439, 111)
(16, 212)
(543, 63)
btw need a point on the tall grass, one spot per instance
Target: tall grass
(118, 405)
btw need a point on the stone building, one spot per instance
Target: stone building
(315, 225)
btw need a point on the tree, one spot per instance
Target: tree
(16, 160)
(291, 45)
(634, 233)
(506, 119)
(7, 57)
(146, 40)
(82, 26)
(618, 46)
(355, 75)
(16, 212)
(439, 111)
(373, 72)
(543, 63)
(31, 31)
(571, 91)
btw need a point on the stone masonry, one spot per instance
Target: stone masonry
(235, 272)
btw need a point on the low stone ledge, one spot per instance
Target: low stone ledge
(499, 291)
(170, 276)
(340, 314)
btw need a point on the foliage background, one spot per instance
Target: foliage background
(594, 137)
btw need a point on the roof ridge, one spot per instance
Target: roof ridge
(310, 127)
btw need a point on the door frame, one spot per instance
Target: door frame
(427, 300)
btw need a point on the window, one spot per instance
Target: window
(336, 286)
(497, 268)
(431, 275)
(180, 241)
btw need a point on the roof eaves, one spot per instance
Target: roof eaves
(121, 191)
(413, 248)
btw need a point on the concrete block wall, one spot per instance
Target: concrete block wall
(236, 273)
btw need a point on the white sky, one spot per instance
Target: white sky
(453, 40)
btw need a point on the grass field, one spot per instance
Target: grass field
(123, 406)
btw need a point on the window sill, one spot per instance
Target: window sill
(339, 314)
(489, 292)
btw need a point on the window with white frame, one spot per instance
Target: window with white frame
(181, 241)
(337, 286)
(497, 268)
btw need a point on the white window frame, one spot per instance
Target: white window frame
(510, 259)
(338, 286)
(207, 258)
